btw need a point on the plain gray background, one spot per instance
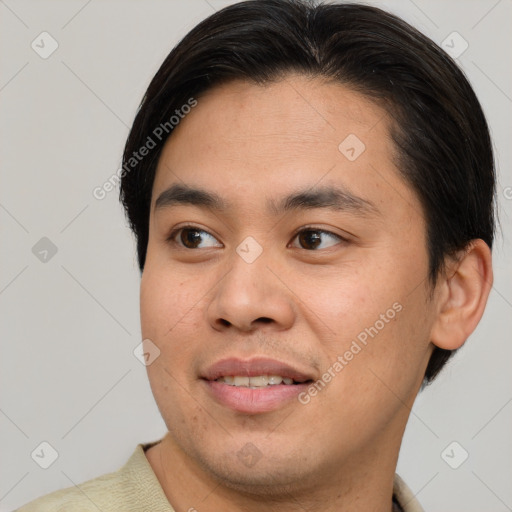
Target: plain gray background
(70, 323)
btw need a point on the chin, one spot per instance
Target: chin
(251, 472)
(265, 481)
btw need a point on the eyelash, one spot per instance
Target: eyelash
(175, 232)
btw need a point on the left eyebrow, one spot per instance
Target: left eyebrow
(327, 197)
(331, 198)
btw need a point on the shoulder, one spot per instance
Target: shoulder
(405, 498)
(100, 493)
(133, 487)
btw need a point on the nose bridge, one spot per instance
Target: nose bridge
(248, 262)
(250, 292)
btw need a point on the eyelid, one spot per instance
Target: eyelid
(320, 230)
(174, 232)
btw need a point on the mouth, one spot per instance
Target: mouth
(256, 385)
(258, 381)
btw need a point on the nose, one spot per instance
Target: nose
(251, 296)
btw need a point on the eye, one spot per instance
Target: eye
(312, 239)
(191, 237)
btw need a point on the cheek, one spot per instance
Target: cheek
(169, 318)
(167, 301)
(388, 355)
(376, 318)
(342, 302)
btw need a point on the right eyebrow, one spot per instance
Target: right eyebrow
(184, 194)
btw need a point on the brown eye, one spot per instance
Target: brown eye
(193, 238)
(190, 238)
(312, 239)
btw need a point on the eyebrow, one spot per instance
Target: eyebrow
(326, 197)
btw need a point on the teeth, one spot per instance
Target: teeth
(241, 381)
(259, 381)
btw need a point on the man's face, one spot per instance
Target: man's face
(310, 266)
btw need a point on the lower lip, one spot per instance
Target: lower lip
(253, 401)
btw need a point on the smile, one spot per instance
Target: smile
(259, 381)
(256, 385)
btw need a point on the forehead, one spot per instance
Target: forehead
(255, 141)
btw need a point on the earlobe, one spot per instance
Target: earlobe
(465, 288)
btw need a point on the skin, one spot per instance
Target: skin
(296, 303)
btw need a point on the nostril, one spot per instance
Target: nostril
(264, 320)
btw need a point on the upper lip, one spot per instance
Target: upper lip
(254, 367)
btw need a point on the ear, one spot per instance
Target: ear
(462, 295)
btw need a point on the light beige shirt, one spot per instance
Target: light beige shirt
(135, 488)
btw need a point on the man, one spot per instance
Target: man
(311, 189)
